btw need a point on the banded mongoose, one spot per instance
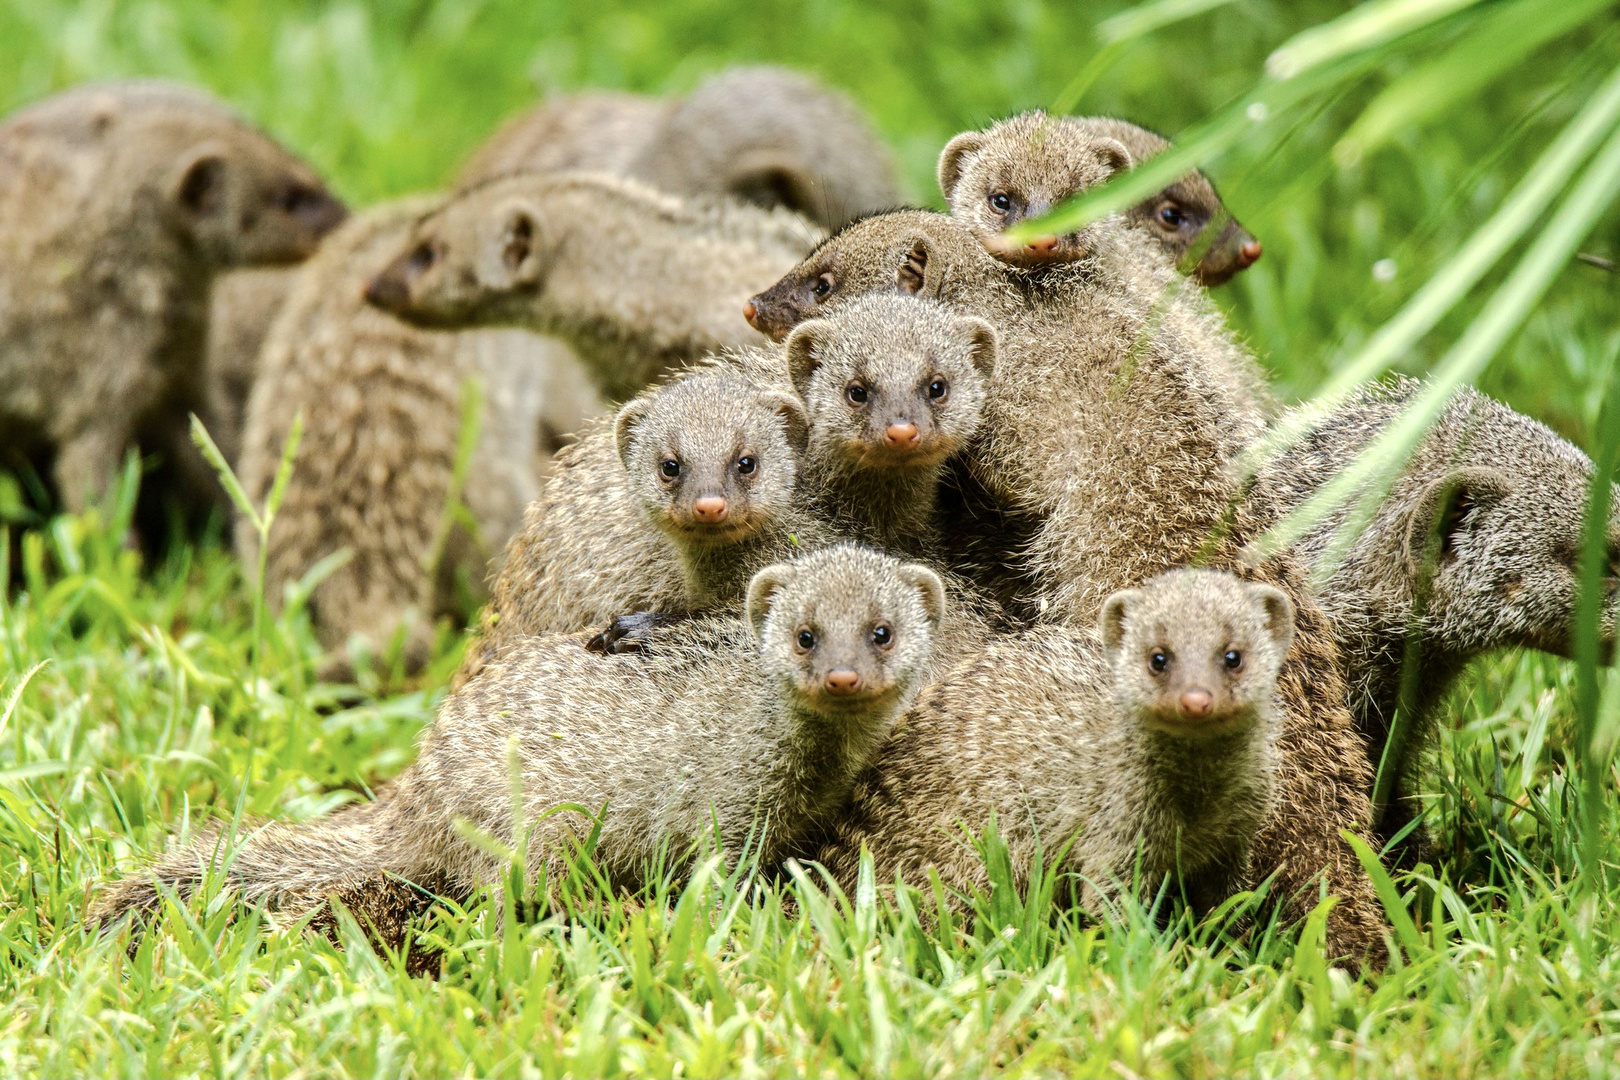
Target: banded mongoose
(383, 411)
(1502, 499)
(1026, 165)
(119, 203)
(1113, 428)
(1156, 751)
(665, 745)
(635, 281)
(589, 552)
(765, 135)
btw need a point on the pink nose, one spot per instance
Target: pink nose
(710, 509)
(900, 436)
(842, 682)
(1249, 253)
(1042, 245)
(751, 312)
(1197, 704)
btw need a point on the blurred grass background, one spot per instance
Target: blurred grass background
(145, 719)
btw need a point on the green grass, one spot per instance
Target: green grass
(147, 716)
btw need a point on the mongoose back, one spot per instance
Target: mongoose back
(1024, 166)
(1112, 431)
(637, 282)
(666, 745)
(119, 202)
(1158, 744)
(765, 135)
(1502, 501)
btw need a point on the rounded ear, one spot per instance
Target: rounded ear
(199, 183)
(762, 592)
(982, 344)
(795, 421)
(1111, 620)
(929, 586)
(518, 242)
(1279, 613)
(779, 182)
(1447, 509)
(627, 423)
(802, 345)
(912, 276)
(1113, 155)
(954, 158)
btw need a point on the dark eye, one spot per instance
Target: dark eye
(745, 465)
(882, 636)
(807, 640)
(1234, 660)
(1158, 661)
(1172, 217)
(1000, 201)
(856, 393)
(938, 389)
(670, 468)
(294, 199)
(423, 257)
(823, 285)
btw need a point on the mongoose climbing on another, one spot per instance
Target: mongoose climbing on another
(1026, 165)
(119, 203)
(757, 724)
(1149, 745)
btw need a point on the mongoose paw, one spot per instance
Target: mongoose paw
(631, 633)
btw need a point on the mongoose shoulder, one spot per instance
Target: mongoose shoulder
(119, 202)
(1154, 739)
(1024, 166)
(666, 746)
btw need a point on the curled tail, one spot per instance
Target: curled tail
(359, 854)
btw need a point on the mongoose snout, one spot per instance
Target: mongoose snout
(710, 509)
(842, 682)
(1197, 704)
(901, 436)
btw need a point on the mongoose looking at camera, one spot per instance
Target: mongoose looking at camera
(119, 203)
(1025, 166)
(1155, 751)
(698, 734)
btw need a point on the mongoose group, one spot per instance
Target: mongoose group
(818, 527)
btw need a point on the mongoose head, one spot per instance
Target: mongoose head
(846, 629)
(775, 138)
(1490, 534)
(1196, 652)
(891, 381)
(913, 252)
(712, 458)
(1022, 168)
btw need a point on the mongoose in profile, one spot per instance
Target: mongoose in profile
(586, 553)
(635, 281)
(1159, 746)
(1501, 498)
(1113, 428)
(382, 407)
(764, 135)
(667, 745)
(1024, 166)
(119, 202)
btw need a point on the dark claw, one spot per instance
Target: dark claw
(631, 633)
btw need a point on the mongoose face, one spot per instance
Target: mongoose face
(1021, 168)
(1196, 652)
(845, 629)
(892, 381)
(984, 175)
(248, 203)
(712, 458)
(909, 252)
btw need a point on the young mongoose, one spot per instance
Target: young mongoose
(1155, 751)
(867, 469)
(1112, 431)
(1024, 166)
(663, 746)
(383, 409)
(764, 135)
(1474, 548)
(119, 202)
(637, 282)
